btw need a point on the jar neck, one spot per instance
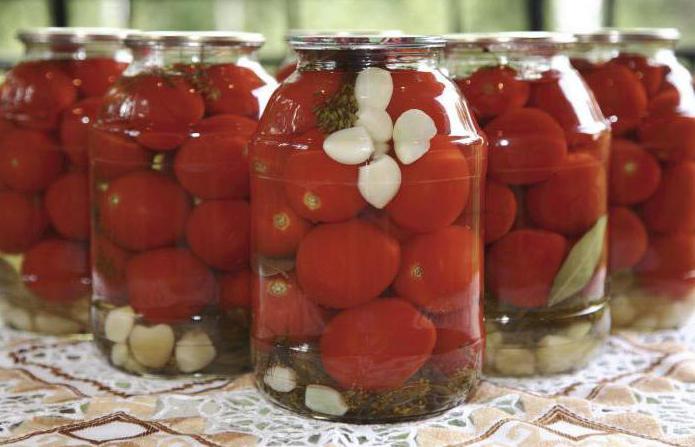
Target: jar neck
(529, 65)
(603, 52)
(87, 50)
(165, 56)
(420, 59)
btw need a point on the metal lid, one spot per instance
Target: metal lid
(195, 38)
(510, 39)
(342, 32)
(362, 41)
(630, 35)
(69, 35)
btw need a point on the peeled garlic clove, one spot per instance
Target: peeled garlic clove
(557, 354)
(119, 354)
(350, 146)
(20, 318)
(579, 330)
(152, 346)
(377, 122)
(373, 88)
(194, 351)
(324, 399)
(412, 134)
(118, 324)
(55, 325)
(379, 181)
(280, 378)
(514, 361)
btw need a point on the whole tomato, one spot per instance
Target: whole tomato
(168, 285)
(29, 160)
(113, 155)
(74, 126)
(423, 91)
(23, 220)
(377, 346)
(232, 90)
(634, 173)
(108, 269)
(666, 268)
(235, 290)
(57, 270)
(459, 337)
(231, 124)
(492, 91)
(500, 210)
(94, 76)
(628, 238)
(143, 210)
(670, 209)
(67, 203)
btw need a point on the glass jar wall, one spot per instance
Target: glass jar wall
(170, 186)
(545, 200)
(366, 192)
(648, 97)
(47, 103)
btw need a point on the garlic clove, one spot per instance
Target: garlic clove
(514, 361)
(194, 351)
(280, 378)
(119, 354)
(19, 318)
(377, 122)
(118, 324)
(324, 399)
(379, 181)
(55, 325)
(373, 88)
(350, 146)
(412, 133)
(152, 346)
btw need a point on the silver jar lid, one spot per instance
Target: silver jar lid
(362, 41)
(75, 35)
(195, 38)
(630, 35)
(491, 41)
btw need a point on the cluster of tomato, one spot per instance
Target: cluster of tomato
(378, 292)
(171, 185)
(652, 177)
(546, 184)
(47, 107)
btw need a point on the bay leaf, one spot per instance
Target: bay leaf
(578, 269)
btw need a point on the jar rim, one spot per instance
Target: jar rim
(72, 35)
(297, 32)
(362, 41)
(629, 35)
(195, 38)
(523, 38)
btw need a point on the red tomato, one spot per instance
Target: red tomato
(23, 220)
(276, 228)
(526, 146)
(628, 238)
(233, 87)
(144, 210)
(29, 160)
(671, 208)
(424, 91)
(459, 340)
(75, 123)
(620, 94)
(434, 191)
(233, 124)
(218, 233)
(95, 75)
(57, 270)
(438, 272)
(573, 199)
(521, 266)
(160, 107)
(500, 210)
(665, 103)
(35, 93)
(235, 290)
(491, 91)
(285, 71)
(651, 76)
(113, 155)
(214, 166)
(377, 346)
(168, 285)
(670, 138)
(346, 264)
(634, 173)
(321, 189)
(67, 203)
(280, 309)
(291, 110)
(108, 269)
(666, 268)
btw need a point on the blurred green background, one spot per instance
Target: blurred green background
(274, 17)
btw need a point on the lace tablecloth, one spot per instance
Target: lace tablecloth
(53, 392)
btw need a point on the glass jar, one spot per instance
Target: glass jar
(545, 200)
(366, 189)
(171, 217)
(47, 103)
(648, 97)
